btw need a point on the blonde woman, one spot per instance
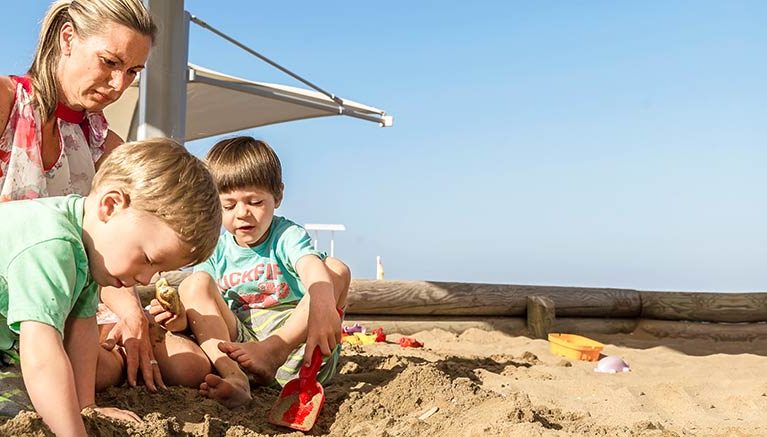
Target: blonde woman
(54, 135)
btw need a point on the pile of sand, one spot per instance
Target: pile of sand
(485, 383)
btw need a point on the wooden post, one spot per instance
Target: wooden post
(540, 316)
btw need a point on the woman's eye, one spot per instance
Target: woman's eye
(228, 207)
(256, 203)
(109, 62)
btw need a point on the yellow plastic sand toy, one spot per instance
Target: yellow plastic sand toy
(575, 347)
(359, 338)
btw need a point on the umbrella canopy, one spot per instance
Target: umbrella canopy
(217, 103)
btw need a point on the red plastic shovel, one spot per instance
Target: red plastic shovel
(301, 400)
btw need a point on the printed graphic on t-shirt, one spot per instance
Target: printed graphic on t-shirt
(259, 287)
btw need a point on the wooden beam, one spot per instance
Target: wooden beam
(540, 316)
(674, 329)
(425, 298)
(407, 325)
(465, 299)
(704, 307)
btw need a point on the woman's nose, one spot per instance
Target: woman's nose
(118, 81)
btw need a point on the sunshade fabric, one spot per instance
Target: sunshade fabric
(218, 104)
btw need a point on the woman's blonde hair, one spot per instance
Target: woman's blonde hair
(242, 162)
(88, 18)
(160, 177)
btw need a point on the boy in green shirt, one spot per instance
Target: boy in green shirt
(266, 298)
(152, 207)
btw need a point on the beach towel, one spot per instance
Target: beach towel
(13, 394)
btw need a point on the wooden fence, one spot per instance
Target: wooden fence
(410, 306)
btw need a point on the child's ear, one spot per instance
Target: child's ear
(110, 203)
(278, 200)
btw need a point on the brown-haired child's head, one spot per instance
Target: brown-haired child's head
(243, 162)
(248, 175)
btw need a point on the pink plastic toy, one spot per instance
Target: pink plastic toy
(612, 364)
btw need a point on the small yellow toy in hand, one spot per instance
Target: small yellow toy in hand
(167, 296)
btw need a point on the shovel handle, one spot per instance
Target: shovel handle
(314, 367)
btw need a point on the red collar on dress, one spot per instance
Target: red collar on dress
(68, 114)
(62, 112)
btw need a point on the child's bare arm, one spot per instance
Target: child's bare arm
(324, 324)
(49, 379)
(81, 344)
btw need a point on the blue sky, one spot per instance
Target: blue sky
(584, 143)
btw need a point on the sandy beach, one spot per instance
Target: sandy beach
(486, 383)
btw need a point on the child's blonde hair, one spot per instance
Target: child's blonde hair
(160, 177)
(242, 162)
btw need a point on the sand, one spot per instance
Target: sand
(489, 384)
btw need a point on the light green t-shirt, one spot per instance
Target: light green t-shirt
(44, 273)
(261, 276)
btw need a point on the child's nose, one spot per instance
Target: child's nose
(241, 211)
(144, 278)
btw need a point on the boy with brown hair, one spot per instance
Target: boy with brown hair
(266, 298)
(152, 207)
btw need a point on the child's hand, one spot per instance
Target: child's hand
(116, 413)
(324, 326)
(168, 320)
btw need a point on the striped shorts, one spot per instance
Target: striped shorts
(258, 323)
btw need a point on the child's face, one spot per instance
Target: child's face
(247, 214)
(129, 246)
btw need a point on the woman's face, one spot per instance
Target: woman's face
(93, 72)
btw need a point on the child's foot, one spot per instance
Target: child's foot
(230, 392)
(261, 359)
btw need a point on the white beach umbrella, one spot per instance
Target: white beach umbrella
(217, 103)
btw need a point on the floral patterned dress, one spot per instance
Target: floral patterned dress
(22, 174)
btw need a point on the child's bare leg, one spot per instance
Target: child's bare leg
(212, 323)
(181, 361)
(110, 369)
(264, 358)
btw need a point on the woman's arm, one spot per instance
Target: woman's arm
(49, 379)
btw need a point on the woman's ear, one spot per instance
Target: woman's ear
(110, 203)
(66, 35)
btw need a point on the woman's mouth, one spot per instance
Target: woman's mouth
(101, 98)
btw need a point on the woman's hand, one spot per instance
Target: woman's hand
(132, 334)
